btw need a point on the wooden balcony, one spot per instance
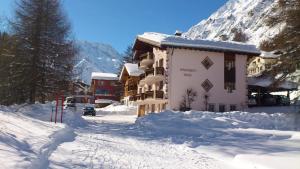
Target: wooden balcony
(149, 94)
(155, 71)
(147, 59)
(158, 94)
(153, 75)
(130, 91)
(140, 96)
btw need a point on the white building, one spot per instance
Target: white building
(259, 64)
(215, 70)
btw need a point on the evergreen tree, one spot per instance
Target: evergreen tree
(287, 42)
(44, 52)
(7, 55)
(127, 58)
(128, 55)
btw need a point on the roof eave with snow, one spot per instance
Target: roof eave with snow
(104, 76)
(163, 40)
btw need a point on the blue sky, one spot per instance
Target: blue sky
(117, 22)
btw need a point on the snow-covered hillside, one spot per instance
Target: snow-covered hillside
(95, 57)
(248, 16)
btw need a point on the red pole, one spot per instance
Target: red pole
(56, 108)
(62, 108)
(51, 112)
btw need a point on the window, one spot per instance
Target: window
(229, 72)
(101, 83)
(149, 87)
(207, 85)
(161, 85)
(221, 108)
(258, 60)
(232, 107)
(211, 107)
(207, 63)
(161, 62)
(102, 92)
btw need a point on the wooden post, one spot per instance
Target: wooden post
(51, 112)
(62, 108)
(56, 108)
(259, 97)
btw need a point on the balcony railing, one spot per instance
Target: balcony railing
(133, 98)
(155, 71)
(146, 60)
(158, 94)
(130, 81)
(130, 88)
(149, 71)
(140, 96)
(149, 94)
(148, 55)
(132, 92)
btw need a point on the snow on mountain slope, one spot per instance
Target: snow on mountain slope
(95, 57)
(248, 16)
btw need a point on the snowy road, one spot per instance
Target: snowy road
(111, 141)
(168, 140)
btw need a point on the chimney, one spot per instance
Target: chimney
(178, 33)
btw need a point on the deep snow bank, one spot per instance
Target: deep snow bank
(210, 120)
(240, 139)
(28, 137)
(43, 112)
(117, 109)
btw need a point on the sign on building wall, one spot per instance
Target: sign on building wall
(187, 72)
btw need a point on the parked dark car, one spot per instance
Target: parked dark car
(269, 100)
(266, 99)
(252, 101)
(282, 100)
(89, 111)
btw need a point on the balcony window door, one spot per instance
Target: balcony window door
(161, 63)
(229, 72)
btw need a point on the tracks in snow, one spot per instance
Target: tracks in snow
(104, 145)
(64, 135)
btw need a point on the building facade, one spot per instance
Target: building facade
(264, 62)
(130, 77)
(105, 88)
(215, 71)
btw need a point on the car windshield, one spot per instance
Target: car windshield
(89, 108)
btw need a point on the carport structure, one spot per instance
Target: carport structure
(263, 84)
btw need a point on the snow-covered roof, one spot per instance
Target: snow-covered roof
(132, 69)
(106, 101)
(104, 76)
(268, 55)
(159, 39)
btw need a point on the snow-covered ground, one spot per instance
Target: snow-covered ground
(115, 138)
